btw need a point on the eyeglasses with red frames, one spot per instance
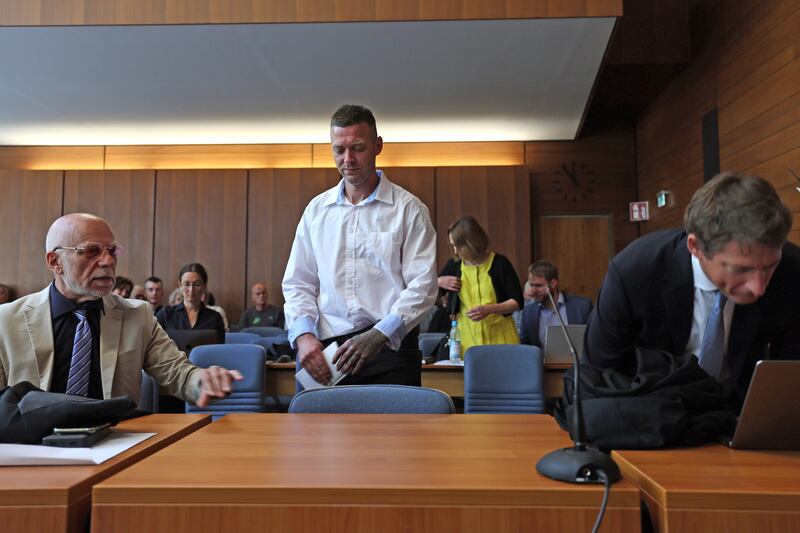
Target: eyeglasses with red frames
(93, 251)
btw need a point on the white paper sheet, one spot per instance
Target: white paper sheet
(448, 362)
(308, 382)
(32, 454)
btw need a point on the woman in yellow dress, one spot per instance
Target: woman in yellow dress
(485, 288)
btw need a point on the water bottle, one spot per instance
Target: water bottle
(455, 343)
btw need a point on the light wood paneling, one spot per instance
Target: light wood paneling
(418, 181)
(580, 246)
(30, 202)
(437, 154)
(125, 199)
(201, 216)
(276, 201)
(89, 12)
(51, 157)
(498, 198)
(209, 156)
(749, 69)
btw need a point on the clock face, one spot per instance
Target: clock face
(573, 182)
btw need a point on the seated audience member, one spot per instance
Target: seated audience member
(176, 296)
(138, 293)
(538, 314)
(123, 287)
(725, 288)
(484, 289)
(192, 313)
(262, 313)
(71, 336)
(154, 292)
(218, 309)
(5, 293)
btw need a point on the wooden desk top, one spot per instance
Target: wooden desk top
(63, 485)
(304, 459)
(716, 477)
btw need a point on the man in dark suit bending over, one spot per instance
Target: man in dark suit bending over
(538, 314)
(726, 288)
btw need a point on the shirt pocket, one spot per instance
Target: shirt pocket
(382, 250)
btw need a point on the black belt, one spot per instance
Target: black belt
(409, 342)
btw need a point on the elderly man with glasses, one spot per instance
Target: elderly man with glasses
(76, 337)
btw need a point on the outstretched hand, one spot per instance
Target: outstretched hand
(215, 382)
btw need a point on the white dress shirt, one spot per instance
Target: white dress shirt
(704, 290)
(353, 266)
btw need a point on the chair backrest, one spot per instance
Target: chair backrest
(149, 395)
(241, 338)
(390, 399)
(503, 378)
(266, 331)
(429, 344)
(247, 395)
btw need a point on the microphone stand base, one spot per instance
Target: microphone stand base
(578, 465)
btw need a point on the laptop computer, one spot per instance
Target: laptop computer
(770, 419)
(556, 349)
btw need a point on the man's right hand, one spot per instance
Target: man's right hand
(309, 353)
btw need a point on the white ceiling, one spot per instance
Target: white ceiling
(279, 83)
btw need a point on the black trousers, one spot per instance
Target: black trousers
(387, 367)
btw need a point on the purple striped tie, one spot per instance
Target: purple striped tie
(78, 381)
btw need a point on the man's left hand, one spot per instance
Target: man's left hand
(351, 355)
(215, 382)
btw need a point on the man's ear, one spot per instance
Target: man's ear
(54, 262)
(554, 284)
(378, 145)
(693, 244)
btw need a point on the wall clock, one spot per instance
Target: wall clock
(574, 181)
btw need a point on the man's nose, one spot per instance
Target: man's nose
(757, 284)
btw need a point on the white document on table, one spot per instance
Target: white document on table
(308, 382)
(36, 454)
(448, 362)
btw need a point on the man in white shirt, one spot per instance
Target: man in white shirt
(362, 270)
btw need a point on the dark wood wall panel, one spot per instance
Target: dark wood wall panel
(125, 199)
(498, 198)
(30, 202)
(202, 216)
(749, 69)
(276, 201)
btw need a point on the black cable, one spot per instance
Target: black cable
(602, 475)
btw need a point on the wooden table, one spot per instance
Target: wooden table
(376, 473)
(713, 488)
(58, 498)
(279, 379)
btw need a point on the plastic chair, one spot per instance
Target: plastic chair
(387, 399)
(266, 331)
(247, 395)
(241, 338)
(148, 400)
(503, 378)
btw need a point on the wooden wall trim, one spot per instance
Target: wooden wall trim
(121, 12)
(253, 156)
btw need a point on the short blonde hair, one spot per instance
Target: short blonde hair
(469, 238)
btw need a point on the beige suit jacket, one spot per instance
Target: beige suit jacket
(130, 340)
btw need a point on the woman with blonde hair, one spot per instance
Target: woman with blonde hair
(485, 288)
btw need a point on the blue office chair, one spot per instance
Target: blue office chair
(389, 399)
(248, 394)
(503, 378)
(429, 343)
(241, 338)
(148, 400)
(266, 331)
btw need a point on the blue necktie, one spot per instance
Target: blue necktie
(78, 381)
(712, 351)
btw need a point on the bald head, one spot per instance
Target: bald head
(82, 254)
(259, 295)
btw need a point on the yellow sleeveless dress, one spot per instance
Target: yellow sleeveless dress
(477, 289)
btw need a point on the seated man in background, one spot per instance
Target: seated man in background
(138, 293)
(76, 337)
(538, 314)
(726, 288)
(123, 287)
(154, 292)
(262, 313)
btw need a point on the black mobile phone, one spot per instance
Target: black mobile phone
(77, 440)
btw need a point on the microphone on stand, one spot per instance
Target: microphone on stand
(579, 463)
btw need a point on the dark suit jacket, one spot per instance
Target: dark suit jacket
(578, 309)
(647, 299)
